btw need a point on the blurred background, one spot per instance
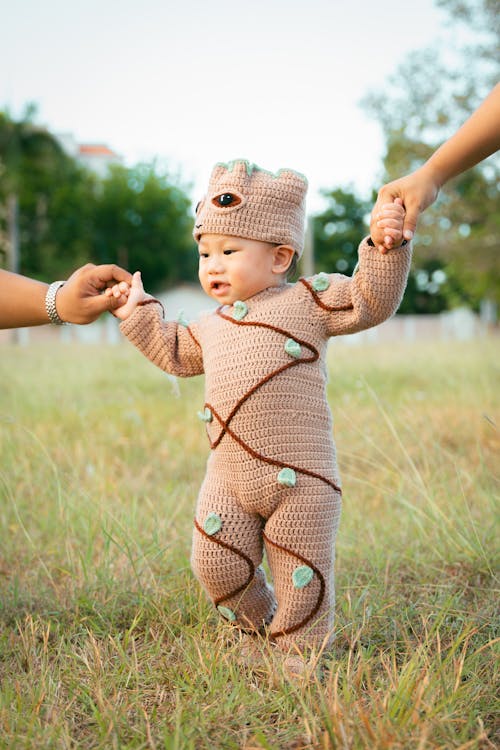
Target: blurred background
(112, 116)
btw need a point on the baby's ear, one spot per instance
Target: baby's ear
(283, 256)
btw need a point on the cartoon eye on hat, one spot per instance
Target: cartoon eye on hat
(226, 200)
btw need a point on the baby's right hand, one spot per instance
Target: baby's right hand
(386, 225)
(135, 293)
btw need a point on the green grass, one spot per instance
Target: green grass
(106, 641)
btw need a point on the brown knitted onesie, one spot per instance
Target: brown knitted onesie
(272, 478)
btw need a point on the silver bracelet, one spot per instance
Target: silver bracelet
(50, 303)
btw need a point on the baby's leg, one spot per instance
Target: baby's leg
(227, 553)
(300, 547)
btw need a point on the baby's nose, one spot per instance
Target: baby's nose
(216, 264)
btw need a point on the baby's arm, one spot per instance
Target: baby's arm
(349, 304)
(171, 346)
(386, 225)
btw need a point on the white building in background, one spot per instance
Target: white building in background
(94, 156)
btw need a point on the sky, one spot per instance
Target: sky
(278, 82)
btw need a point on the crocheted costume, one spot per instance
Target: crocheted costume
(272, 478)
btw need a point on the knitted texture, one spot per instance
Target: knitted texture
(246, 201)
(272, 481)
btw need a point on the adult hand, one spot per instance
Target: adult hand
(81, 299)
(417, 191)
(478, 137)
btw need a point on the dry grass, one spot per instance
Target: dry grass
(105, 638)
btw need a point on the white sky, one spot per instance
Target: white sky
(196, 82)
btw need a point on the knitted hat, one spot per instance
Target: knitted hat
(244, 200)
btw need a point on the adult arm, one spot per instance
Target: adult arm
(22, 300)
(478, 137)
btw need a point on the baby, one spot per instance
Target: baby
(272, 481)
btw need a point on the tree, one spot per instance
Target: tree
(57, 215)
(142, 221)
(56, 219)
(431, 94)
(26, 152)
(338, 230)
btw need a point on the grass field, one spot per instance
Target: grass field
(105, 638)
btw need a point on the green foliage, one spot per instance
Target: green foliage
(137, 217)
(31, 162)
(480, 15)
(55, 220)
(26, 148)
(142, 221)
(337, 231)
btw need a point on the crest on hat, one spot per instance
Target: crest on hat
(244, 200)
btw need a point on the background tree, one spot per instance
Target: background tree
(143, 221)
(26, 153)
(427, 99)
(66, 216)
(56, 219)
(338, 230)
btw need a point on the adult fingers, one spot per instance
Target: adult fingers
(410, 223)
(109, 274)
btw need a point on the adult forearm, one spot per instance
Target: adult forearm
(478, 137)
(22, 301)
(80, 299)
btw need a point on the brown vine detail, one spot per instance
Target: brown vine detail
(193, 337)
(319, 301)
(283, 368)
(236, 551)
(321, 595)
(265, 459)
(293, 363)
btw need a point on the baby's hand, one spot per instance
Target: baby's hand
(386, 226)
(133, 295)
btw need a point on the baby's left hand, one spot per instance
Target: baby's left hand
(386, 226)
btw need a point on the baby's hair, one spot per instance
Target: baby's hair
(292, 268)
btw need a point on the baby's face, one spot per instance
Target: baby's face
(232, 268)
